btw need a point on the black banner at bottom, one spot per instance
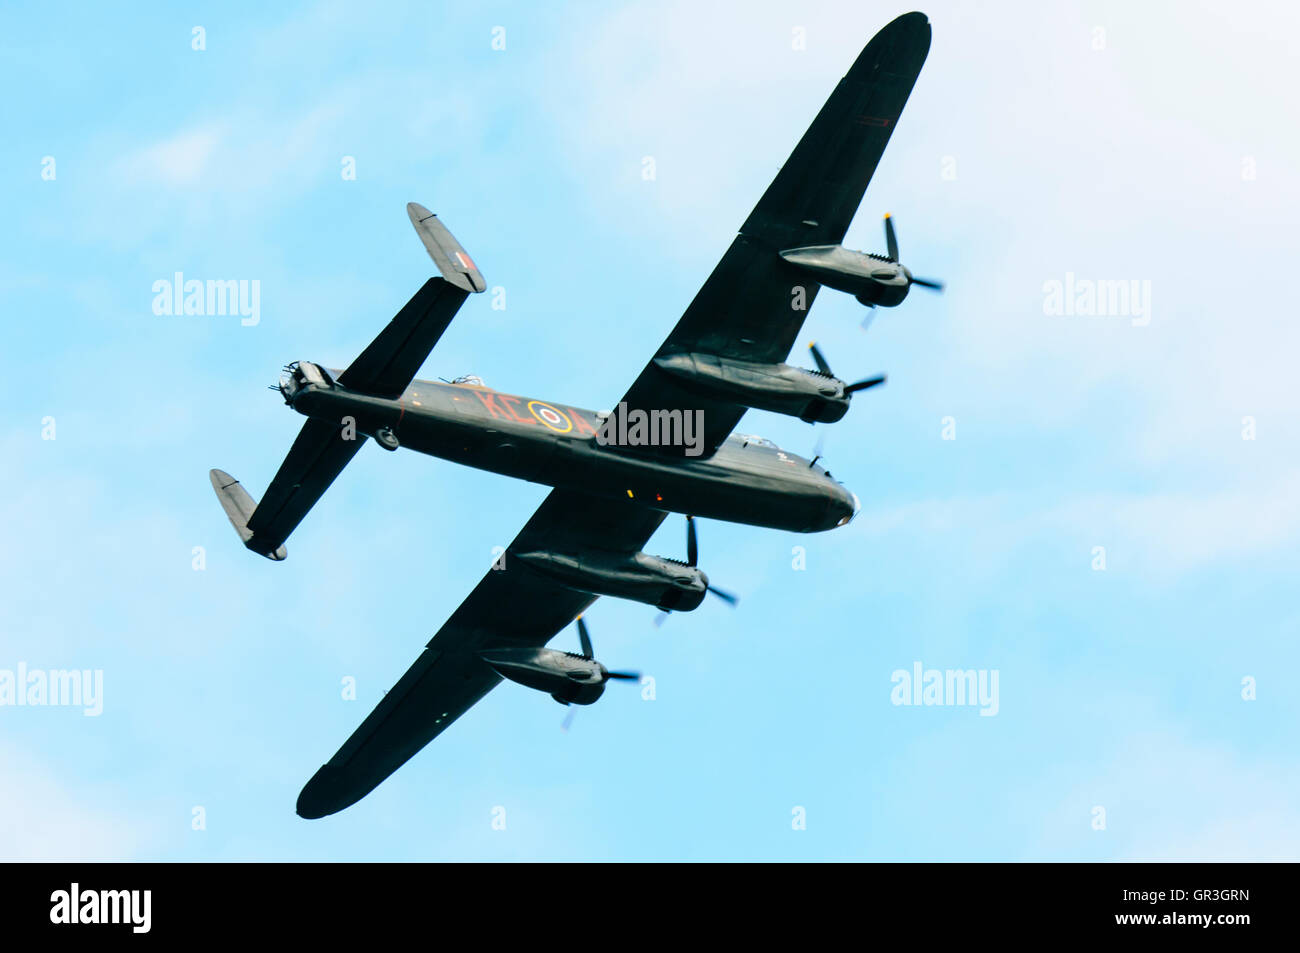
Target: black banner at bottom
(134, 902)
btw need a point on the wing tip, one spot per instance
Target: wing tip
(912, 21)
(909, 31)
(322, 795)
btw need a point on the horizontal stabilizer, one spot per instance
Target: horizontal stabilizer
(456, 266)
(318, 455)
(239, 507)
(390, 362)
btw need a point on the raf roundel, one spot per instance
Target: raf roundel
(548, 415)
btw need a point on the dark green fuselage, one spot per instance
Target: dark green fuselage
(748, 480)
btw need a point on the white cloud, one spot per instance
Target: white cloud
(1168, 532)
(1170, 798)
(178, 161)
(1160, 533)
(44, 818)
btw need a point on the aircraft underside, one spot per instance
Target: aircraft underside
(614, 478)
(754, 484)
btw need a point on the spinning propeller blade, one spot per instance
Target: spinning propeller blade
(824, 366)
(819, 360)
(692, 559)
(864, 384)
(725, 596)
(891, 245)
(584, 638)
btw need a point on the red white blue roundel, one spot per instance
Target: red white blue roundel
(548, 415)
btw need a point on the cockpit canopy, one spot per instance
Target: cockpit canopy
(472, 379)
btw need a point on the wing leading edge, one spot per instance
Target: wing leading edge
(512, 606)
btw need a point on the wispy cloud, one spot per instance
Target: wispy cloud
(177, 162)
(46, 816)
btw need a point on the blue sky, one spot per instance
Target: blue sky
(1093, 140)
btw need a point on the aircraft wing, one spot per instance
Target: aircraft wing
(512, 606)
(746, 309)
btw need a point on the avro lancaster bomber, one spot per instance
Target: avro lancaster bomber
(668, 446)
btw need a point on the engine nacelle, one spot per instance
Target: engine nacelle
(871, 279)
(664, 583)
(781, 388)
(569, 679)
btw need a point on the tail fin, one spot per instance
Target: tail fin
(239, 507)
(455, 265)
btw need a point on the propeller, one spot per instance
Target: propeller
(692, 559)
(584, 639)
(819, 448)
(825, 368)
(891, 248)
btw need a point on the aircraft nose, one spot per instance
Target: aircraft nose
(846, 517)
